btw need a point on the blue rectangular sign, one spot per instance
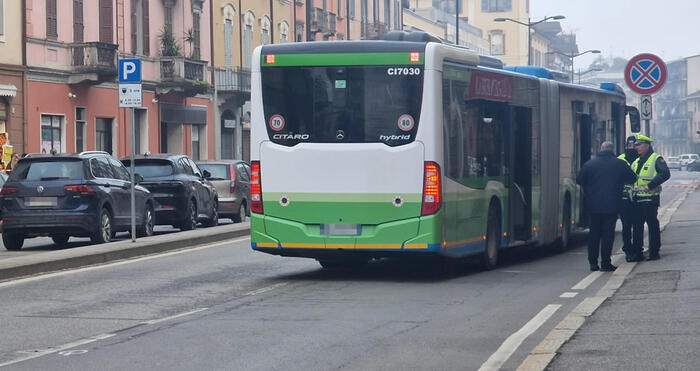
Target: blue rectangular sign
(129, 71)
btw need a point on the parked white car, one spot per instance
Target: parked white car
(674, 162)
(688, 158)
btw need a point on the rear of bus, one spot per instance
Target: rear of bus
(337, 170)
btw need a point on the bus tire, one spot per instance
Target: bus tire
(489, 259)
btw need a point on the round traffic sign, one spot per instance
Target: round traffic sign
(645, 73)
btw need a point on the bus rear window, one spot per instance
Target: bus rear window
(365, 104)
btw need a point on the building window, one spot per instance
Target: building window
(2, 19)
(387, 13)
(340, 9)
(284, 31)
(265, 26)
(79, 129)
(169, 17)
(228, 30)
(103, 135)
(497, 40)
(106, 15)
(375, 11)
(140, 35)
(197, 53)
(51, 133)
(248, 41)
(493, 6)
(352, 9)
(195, 142)
(51, 20)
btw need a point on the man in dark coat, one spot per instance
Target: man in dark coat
(626, 215)
(603, 179)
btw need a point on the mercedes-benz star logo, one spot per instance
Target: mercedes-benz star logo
(40, 189)
(340, 135)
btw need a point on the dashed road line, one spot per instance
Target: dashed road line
(568, 295)
(154, 321)
(511, 344)
(587, 281)
(61, 348)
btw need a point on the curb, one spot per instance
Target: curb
(543, 354)
(99, 254)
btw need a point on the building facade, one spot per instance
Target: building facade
(72, 96)
(508, 41)
(12, 79)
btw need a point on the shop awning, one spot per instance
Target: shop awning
(184, 115)
(8, 90)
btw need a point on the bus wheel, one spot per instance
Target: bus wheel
(489, 259)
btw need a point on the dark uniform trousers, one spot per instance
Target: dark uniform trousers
(627, 219)
(645, 212)
(601, 238)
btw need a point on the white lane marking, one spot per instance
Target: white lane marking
(511, 344)
(265, 289)
(74, 352)
(153, 321)
(587, 281)
(115, 264)
(61, 348)
(568, 295)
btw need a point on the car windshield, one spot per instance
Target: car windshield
(217, 171)
(151, 168)
(48, 170)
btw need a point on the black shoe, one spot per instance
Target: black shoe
(653, 257)
(637, 258)
(595, 267)
(629, 258)
(608, 268)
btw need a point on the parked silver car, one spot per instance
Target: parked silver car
(232, 181)
(673, 162)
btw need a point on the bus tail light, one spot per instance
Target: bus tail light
(256, 205)
(432, 191)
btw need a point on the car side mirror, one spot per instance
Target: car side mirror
(635, 122)
(206, 174)
(138, 178)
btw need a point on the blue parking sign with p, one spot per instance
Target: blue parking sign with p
(129, 71)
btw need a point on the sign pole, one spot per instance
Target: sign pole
(131, 164)
(646, 127)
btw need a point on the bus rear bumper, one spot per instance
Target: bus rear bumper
(288, 238)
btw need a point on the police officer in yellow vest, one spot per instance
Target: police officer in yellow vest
(652, 171)
(629, 155)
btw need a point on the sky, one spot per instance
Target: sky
(625, 28)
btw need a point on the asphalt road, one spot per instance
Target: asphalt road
(224, 306)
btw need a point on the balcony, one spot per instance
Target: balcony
(319, 21)
(93, 63)
(183, 75)
(331, 24)
(373, 31)
(232, 80)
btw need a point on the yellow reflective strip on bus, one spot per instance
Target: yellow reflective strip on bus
(378, 246)
(416, 246)
(460, 242)
(266, 244)
(304, 245)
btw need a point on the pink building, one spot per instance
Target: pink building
(72, 98)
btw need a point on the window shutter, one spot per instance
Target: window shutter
(134, 28)
(146, 33)
(106, 21)
(51, 20)
(78, 26)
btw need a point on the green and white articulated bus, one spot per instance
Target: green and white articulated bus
(367, 149)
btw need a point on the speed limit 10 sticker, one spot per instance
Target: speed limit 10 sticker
(276, 122)
(406, 122)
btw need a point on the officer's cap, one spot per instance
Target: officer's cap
(631, 139)
(643, 139)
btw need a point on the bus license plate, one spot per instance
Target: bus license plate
(341, 229)
(40, 201)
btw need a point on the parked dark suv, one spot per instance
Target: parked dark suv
(183, 195)
(232, 181)
(85, 195)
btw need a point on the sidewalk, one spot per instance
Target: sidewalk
(653, 321)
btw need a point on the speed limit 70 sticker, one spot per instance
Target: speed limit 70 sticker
(276, 122)
(406, 122)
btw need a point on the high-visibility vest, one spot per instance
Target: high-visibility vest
(646, 175)
(628, 187)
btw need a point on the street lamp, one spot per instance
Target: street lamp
(594, 69)
(529, 25)
(572, 56)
